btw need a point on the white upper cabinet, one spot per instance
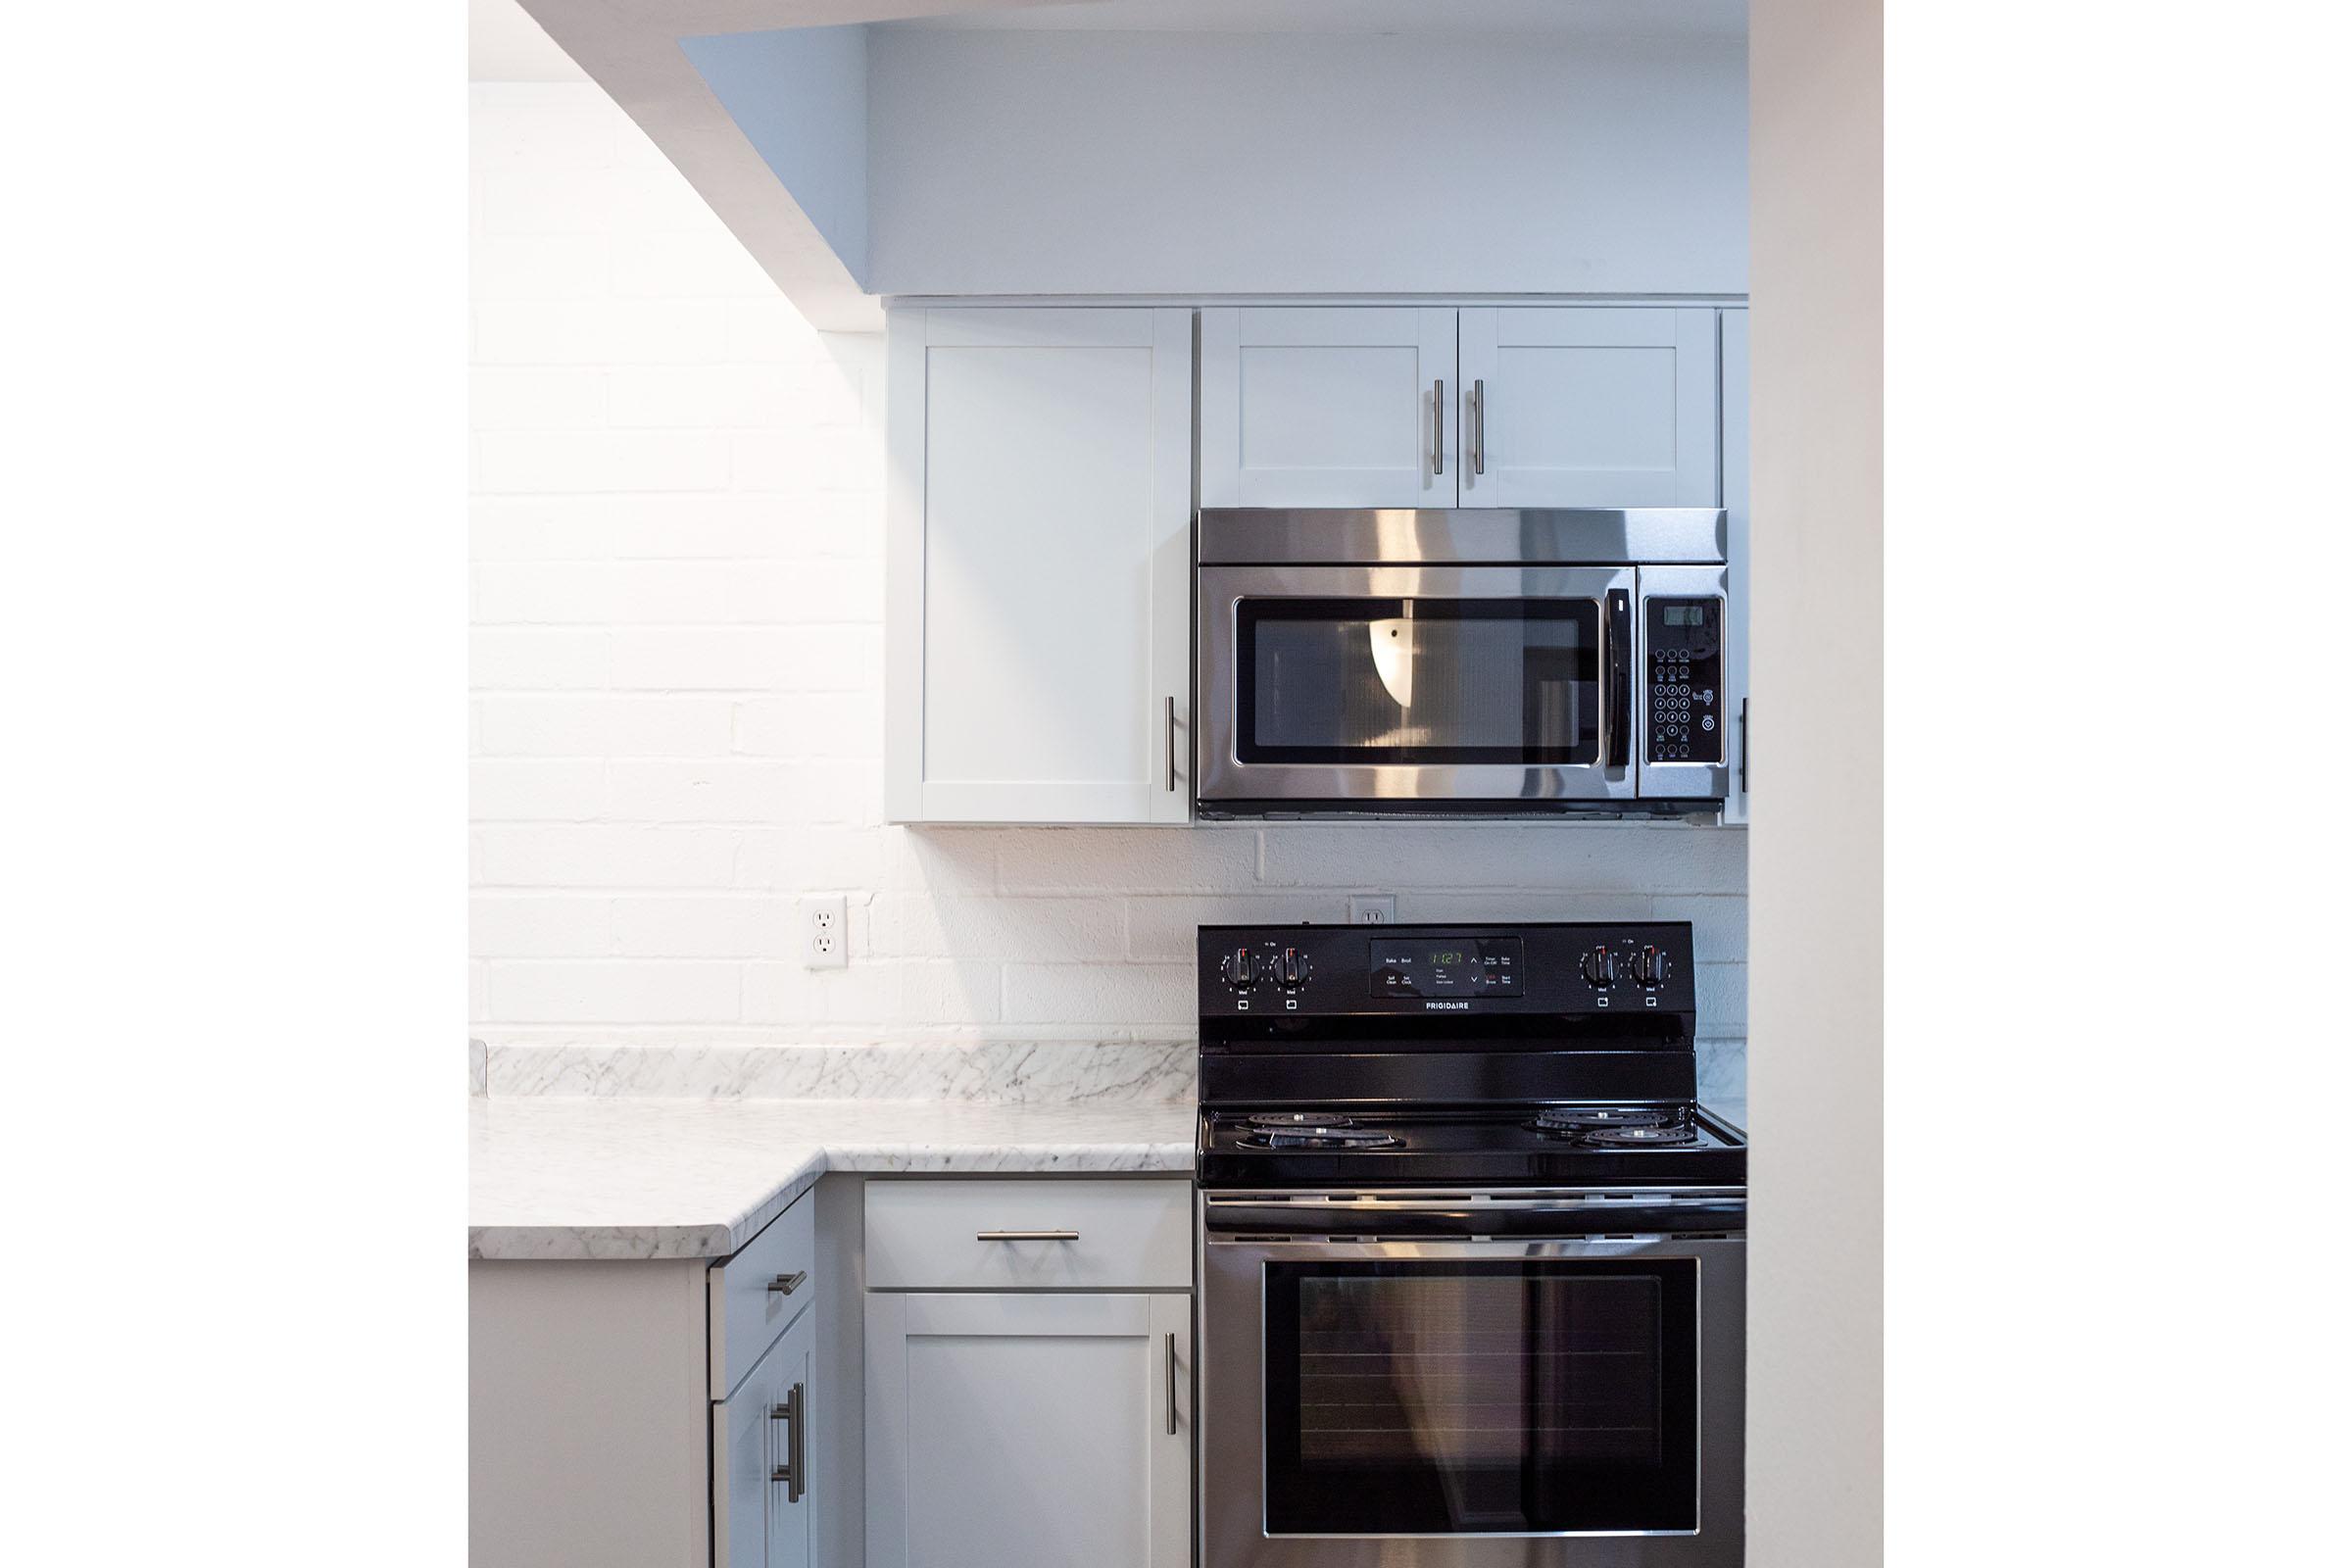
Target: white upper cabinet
(1327, 406)
(1039, 644)
(1559, 406)
(1588, 407)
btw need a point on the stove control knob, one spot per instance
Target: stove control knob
(1290, 970)
(1600, 968)
(1239, 972)
(1650, 968)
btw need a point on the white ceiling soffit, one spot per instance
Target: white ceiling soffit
(630, 47)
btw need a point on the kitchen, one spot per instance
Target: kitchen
(878, 708)
(1172, 994)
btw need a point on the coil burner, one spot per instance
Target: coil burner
(1620, 1126)
(1309, 1129)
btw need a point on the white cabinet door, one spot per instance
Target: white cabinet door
(1328, 407)
(1580, 406)
(1735, 517)
(1028, 1431)
(1039, 640)
(764, 1428)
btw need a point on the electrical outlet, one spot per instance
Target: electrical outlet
(825, 931)
(1371, 909)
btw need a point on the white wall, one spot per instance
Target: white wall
(1026, 163)
(677, 696)
(1815, 1285)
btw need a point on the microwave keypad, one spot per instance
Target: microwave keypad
(1684, 640)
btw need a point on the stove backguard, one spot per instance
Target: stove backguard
(1446, 1015)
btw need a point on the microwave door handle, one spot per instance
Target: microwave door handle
(1617, 714)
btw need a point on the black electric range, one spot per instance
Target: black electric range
(1473, 1258)
(1458, 1055)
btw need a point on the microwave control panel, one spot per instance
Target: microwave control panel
(1685, 641)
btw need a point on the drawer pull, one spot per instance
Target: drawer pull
(785, 1284)
(1027, 1236)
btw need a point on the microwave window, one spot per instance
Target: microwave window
(1419, 681)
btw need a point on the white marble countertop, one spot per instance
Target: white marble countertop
(641, 1178)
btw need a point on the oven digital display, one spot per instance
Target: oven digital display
(1449, 966)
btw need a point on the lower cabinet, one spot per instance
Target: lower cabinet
(1028, 1430)
(759, 1459)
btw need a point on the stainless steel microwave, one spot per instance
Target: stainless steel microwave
(1487, 661)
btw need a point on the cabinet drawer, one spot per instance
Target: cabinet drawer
(1029, 1235)
(756, 1293)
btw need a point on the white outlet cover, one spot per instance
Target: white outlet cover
(823, 926)
(1371, 909)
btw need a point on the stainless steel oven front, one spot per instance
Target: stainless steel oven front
(1522, 663)
(1543, 1380)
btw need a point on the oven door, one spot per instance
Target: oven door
(1370, 687)
(1572, 1399)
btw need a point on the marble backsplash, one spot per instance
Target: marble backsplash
(1056, 1072)
(1038, 1072)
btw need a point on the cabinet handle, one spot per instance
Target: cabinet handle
(794, 1471)
(1171, 745)
(785, 1284)
(1171, 1384)
(1437, 445)
(1027, 1236)
(1743, 746)
(1477, 430)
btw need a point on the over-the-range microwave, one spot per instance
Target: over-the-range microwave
(1487, 661)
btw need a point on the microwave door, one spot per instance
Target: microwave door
(1371, 687)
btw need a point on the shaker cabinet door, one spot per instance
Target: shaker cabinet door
(1585, 406)
(1735, 517)
(1040, 568)
(1328, 407)
(761, 1440)
(1028, 1431)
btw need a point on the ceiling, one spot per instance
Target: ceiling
(1455, 18)
(504, 44)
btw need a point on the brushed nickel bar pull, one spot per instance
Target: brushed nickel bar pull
(1171, 1384)
(1171, 746)
(794, 1471)
(1743, 746)
(1437, 445)
(1027, 1236)
(785, 1284)
(1478, 436)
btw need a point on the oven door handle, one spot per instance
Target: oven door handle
(1618, 719)
(1561, 1222)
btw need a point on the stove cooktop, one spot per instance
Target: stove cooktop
(1502, 1145)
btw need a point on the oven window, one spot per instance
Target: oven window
(1506, 1398)
(1427, 682)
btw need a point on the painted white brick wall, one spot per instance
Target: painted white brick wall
(677, 587)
